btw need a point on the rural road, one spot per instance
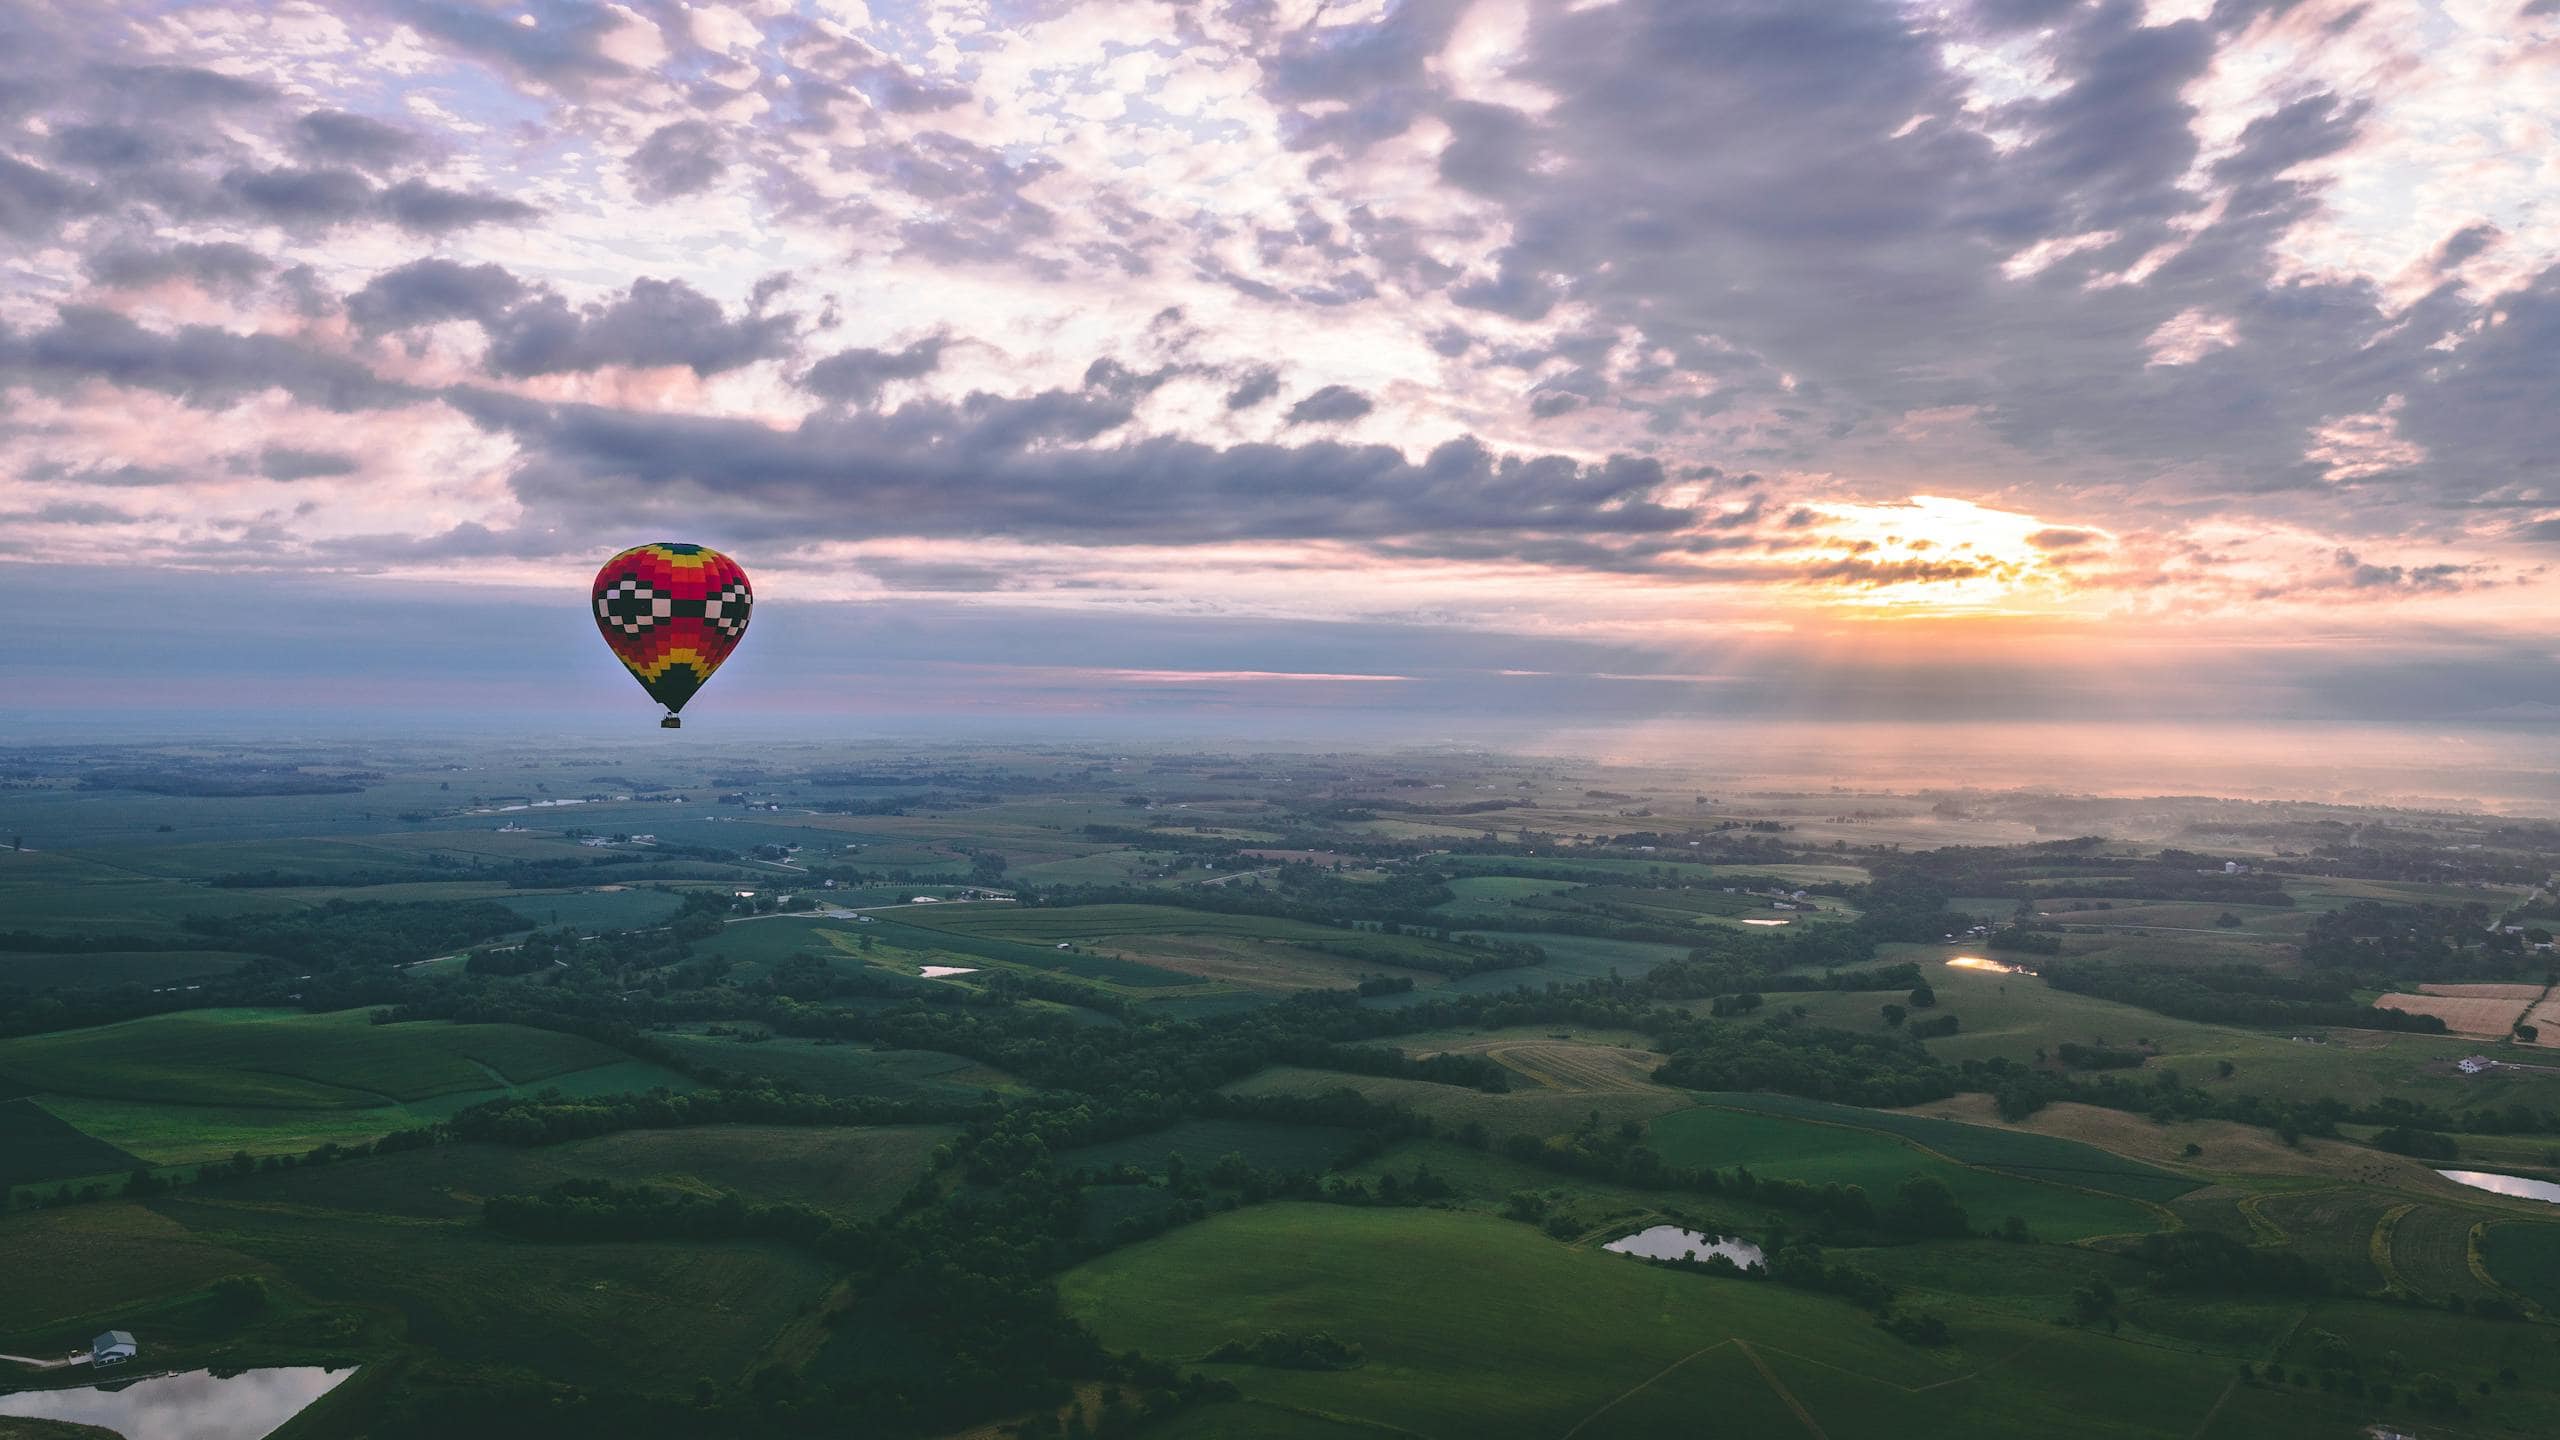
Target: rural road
(47, 1364)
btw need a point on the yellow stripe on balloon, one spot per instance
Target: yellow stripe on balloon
(669, 661)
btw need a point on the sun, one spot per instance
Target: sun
(1937, 554)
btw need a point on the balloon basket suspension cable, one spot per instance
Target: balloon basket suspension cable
(671, 722)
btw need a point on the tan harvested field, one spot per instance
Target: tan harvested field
(2484, 1015)
(1580, 1068)
(2545, 1018)
(2485, 992)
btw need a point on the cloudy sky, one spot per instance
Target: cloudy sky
(1660, 357)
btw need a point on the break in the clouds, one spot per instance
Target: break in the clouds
(1634, 320)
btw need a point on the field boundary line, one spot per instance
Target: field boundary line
(2262, 1225)
(2219, 1401)
(1780, 1386)
(1612, 1401)
(2379, 1245)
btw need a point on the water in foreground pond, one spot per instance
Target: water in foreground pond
(1670, 1242)
(936, 972)
(196, 1405)
(2515, 1185)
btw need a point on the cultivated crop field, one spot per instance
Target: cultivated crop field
(1522, 1336)
(1775, 1147)
(845, 1070)
(2031, 1156)
(212, 1057)
(2466, 1014)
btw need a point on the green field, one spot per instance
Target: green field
(2526, 1258)
(284, 1058)
(846, 1070)
(853, 1171)
(37, 1145)
(172, 1133)
(592, 910)
(1478, 1326)
(2015, 1152)
(1775, 1147)
(1202, 1143)
(595, 1314)
(96, 969)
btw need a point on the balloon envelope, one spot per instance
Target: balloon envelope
(672, 613)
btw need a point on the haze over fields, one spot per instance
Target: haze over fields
(1471, 363)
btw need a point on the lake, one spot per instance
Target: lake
(1670, 1242)
(195, 1405)
(2515, 1185)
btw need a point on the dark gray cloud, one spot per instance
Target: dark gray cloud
(427, 209)
(1030, 466)
(35, 201)
(324, 197)
(563, 48)
(215, 265)
(287, 462)
(858, 374)
(428, 292)
(655, 322)
(1332, 404)
(678, 159)
(1254, 388)
(361, 140)
(200, 364)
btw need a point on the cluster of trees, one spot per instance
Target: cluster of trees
(2413, 943)
(2237, 995)
(1287, 1350)
(356, 934)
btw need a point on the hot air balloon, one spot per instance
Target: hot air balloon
(672, 613)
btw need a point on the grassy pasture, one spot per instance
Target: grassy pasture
(2526, 1257)
(1034, 957)
(40, 971)
(586, 1314)
(847, 1071)
(37, 1145)
(851, 1171)
(1523, 1111)
(238, 1057)
(595, 910)
(2022, 1153)
(1520, 1336)
(178, 1133)
(1571, 959)
(1773, 1146)
(1477, 894)
(99, 1259)
(54, 894)
(2013, 1016)
(1202, 1142)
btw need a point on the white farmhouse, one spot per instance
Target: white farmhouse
(112, 1348)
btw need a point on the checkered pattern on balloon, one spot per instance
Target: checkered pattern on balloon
(672, 613)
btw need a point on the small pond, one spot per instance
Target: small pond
(1979, 962)
(1670, 1242)
(196, 1405)
(2515, 1185)
(936, 972)
(1764, 922)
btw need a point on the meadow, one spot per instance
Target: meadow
(1482, 1326)
(1775, 1147)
